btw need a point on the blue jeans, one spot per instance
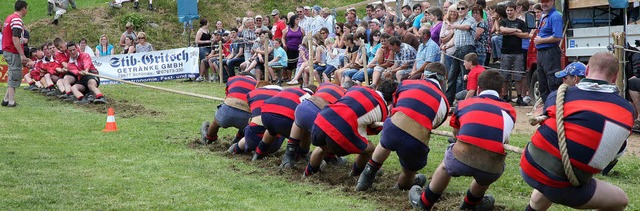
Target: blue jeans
(231, 64)
(359, 76)
(496, 45)
(454, 82)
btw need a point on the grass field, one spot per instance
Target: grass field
(54, 156)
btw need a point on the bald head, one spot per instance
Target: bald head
(603, 66)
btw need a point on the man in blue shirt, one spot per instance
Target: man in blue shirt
(547, 43)
(428, 52)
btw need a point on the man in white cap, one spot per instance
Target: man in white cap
(259, 23)
(278, 24)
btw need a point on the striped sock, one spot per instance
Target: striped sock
(429, 197)
(472, 200)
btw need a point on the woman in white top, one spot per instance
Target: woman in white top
(85, 48)
(143, 45)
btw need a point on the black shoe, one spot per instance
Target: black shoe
(204, 128)
(136, 5)
(256, 157)
(101, 100)
(420, 180)
(365, 181)
(70, 98)
(12, 105)
(62, 96)
(487, 203)
(55, 22)
(451, 140)
(34, 88)
(337, 161)
(5, 103)
(29, 87)
(415, 198)
(45, 90)
(150, 7)
(520, 102)
(82, 101)
(288, 158)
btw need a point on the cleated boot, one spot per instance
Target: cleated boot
(204, 128)
(288, 159)
(29, 87)
(420, 180)
(82, 101)
(100, 100)
(70, 98)
(415, 198)
(487, 203)
(365, 181)
(54, 92)
(256, 157)
(232, 149)
(337, 161)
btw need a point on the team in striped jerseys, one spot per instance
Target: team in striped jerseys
(341, 128)
(597, 122)
(305, 114)
(482, 125)
(278, 116)
(418, 107)
(234, 112)
(254, 131)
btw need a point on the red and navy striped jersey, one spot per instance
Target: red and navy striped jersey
(421, 100)
(484, 121)
(596, 124)
(346, 121)
(285, 102)
(330, 92)
(239, 86)
(257, 97)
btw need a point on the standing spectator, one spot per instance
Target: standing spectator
(417, 22)
(463, 38)
(482, 34)
(328, 21)
(129, 46)
(13, 52)
(52, 2)
(143, 44)
(203, 38)
(434, 14)
(291, 40)
(369, 11)
(278, 25)
(59, 8)
(407, 15)
(547, 43)
(220, 27)
(128, 33)
(136, 5)
(513, 31)
(259, 23)
(0, 41)
(351, 18)
(446, 36)
(104, 48)
(382, 16)
(86, 49)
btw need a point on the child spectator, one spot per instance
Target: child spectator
(471, 64)
(279, 57)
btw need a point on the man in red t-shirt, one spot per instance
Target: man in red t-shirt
(471, 64)
(79, 65)
(278, 24)
(13, 52)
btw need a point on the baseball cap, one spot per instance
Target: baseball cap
(258, 16)
(275, 12)
(307, 7)
(374, 21)
(575, 69)
(317, 8)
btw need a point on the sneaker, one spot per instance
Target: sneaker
(520, 102)
(215, 78)
(292, 82)
(415, 198)
(150, 7)
(70, 98)
(365, 181)
(288, 158)
(101, 100)
(54, 92)
(5, 103)
(55, 22)
(256, 157)
(232, 149)
(636, 126)
(199, 79)
(12, 105)
(62, 96)
(34, 88)
(91, 98)
(487, 203)
(136, 5)
(82, 101)
(45, 90)
(204, 128)
(29, 87)
(337, 161)
(115, 5)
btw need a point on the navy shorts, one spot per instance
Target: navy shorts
(570, 196)
(228, 116)
(253, 135)
(277, 124)
(456, 168)
(411, 151)
(305, 114)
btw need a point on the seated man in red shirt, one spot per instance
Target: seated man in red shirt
(33, 77)
(482, 125)
(79, 65)
(341, 128)
(62, 57)
(471, 64)
(418, 107)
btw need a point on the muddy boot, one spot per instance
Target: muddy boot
(204, 128)
(368, 175)
(487, 203)
(288, 158)
(415, 198)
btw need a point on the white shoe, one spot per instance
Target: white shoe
(292, 82)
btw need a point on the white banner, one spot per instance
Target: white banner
(149, 66)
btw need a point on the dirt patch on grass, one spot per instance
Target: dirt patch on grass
(337, 178)
(124, 108)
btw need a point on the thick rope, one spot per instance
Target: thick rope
(562, 140)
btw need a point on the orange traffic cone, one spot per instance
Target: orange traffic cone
(111, 122)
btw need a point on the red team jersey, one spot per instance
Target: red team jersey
(346, 122)
(257, 97)
(421, 100)
(330, 92)
(472, 79)
(596, 125)
(239, 86)
(285, 102)
(484, 121)
(12, 22)
(81, 63)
